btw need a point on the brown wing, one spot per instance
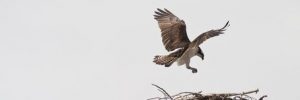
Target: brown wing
(173, 30)
(201, 38)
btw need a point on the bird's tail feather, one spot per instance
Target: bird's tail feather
(164, 60)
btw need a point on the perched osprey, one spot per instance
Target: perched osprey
(174, 38)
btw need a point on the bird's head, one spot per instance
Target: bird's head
(200, 53)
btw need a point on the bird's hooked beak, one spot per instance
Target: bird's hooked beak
(202, 57)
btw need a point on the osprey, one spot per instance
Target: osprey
(174, 38)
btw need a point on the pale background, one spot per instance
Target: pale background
(103, 49)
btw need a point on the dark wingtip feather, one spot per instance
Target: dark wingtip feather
(225, 26)
(168, 11)
(158, 9)
(158, 13)
(161, 13)
(156, 16)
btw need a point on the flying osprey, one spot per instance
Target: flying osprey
(174, 38)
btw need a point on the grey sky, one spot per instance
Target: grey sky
(103, 49)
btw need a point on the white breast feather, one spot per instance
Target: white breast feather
(187, 55)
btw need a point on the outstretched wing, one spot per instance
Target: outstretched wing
(204, 36)
(173, 30)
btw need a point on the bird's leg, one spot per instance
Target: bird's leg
(194, 70)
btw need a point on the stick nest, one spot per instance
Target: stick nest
(200, 96)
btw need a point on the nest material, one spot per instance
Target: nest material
(200, 96)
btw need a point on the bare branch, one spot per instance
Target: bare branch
(261, 98)
(163, 91)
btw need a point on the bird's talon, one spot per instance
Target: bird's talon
(194, 71)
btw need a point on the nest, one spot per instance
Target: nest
(200, 96)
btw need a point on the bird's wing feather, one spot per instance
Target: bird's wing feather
(204, 36)
(173, 30)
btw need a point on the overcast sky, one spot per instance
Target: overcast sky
(103, 49)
